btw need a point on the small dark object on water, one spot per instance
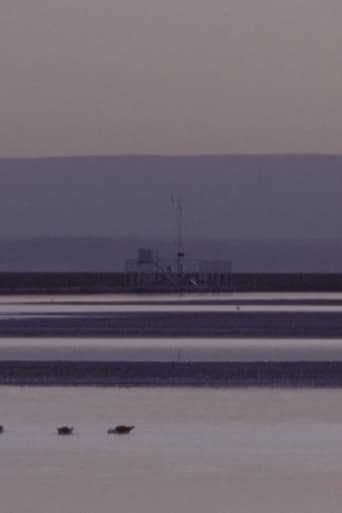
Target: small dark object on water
(120, 430)
(65, 430)
(1, 429)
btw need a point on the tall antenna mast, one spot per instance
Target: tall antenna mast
(179, 234)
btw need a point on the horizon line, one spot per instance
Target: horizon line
(173, 156)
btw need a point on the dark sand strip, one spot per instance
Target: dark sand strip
(122, 374)
(178, 324)
(190, 302)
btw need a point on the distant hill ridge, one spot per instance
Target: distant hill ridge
(267, 213)
(109, 255)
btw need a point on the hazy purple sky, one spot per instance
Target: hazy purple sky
(161, 76)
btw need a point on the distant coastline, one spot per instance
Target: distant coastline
(265, 213)
(71, 254)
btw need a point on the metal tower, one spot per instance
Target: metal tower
(179, 234)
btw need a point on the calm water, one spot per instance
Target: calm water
(193, 450)
(56, 311)
(169, 350)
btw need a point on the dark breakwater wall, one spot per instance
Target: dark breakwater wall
(84, 283)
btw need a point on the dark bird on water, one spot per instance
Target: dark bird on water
(1, 429)
(120, 430)
(65, 430)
